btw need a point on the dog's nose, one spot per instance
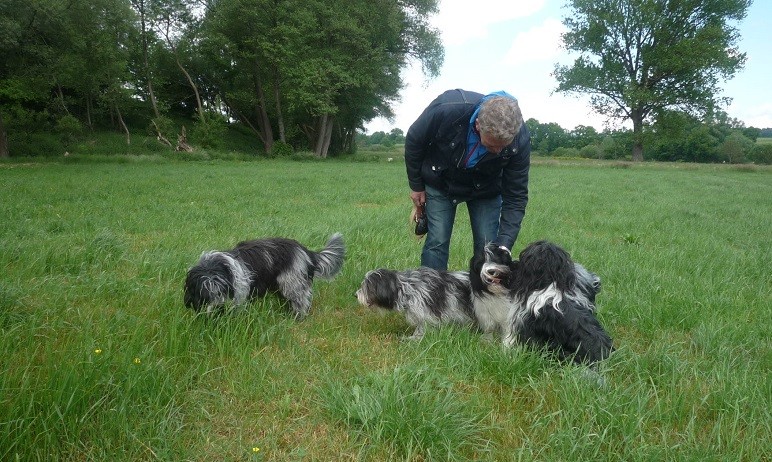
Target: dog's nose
(491, 272)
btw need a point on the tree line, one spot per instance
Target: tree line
(304, 73)
(675, 138)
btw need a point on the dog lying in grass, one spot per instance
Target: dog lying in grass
(551, 300)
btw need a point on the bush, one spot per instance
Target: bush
(209, 133)
(164, 125)
(591, 151)
(281, 149)
(565, 152)
(22, 144)
(736, 148)
(761, 154)
(69, 128)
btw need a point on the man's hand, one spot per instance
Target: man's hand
(418, 198)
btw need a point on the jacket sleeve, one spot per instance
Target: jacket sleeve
(514, 190)
(417, 143)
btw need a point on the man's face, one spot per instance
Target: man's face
(492, 144)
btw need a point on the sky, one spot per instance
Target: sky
(513, 45)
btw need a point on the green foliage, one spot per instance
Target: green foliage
(591, 151)
(69, 128)
(209, 133)
(761, 154)
(36, 144)
(281, 149)
(163, 125)
(736, 148)
(640, 57)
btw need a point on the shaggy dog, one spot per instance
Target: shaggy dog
(425, 296)
(255, 267)
(551, 300)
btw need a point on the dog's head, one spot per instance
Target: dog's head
(380, 288)
(542, 263)
(490, 270)
(209, 284)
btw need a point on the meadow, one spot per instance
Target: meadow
(100, 360)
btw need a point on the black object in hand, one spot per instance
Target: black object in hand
(421, 223)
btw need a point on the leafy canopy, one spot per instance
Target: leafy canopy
(638, 57)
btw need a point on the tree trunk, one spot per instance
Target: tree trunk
(263, 122)
(637, 119)
(143, 30)
(88, 112)
(123, 126)
(279, 116)
(60, 93)
(4, 154)
(323, 135)
(192, 84)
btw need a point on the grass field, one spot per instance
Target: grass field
(99, 359)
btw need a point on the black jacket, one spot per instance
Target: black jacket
(435, 145)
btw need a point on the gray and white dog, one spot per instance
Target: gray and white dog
(425, 296)
(429, 298)
(256, 267)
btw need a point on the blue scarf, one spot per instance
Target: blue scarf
(475, 150)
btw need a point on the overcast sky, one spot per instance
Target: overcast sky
(513, 45)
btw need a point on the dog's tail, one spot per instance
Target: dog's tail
(329, 260)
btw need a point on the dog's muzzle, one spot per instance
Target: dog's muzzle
(492, 274)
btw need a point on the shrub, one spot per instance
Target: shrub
(69, 128)
(209, 133)
(736, 147)
(281, 149)
(23, 144)
(565, 152)
(761, 154)
(591, 151)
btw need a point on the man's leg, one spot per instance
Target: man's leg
(484, 215)
(440, 213)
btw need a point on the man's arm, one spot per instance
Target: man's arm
(514, 190)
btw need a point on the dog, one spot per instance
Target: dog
(550, 298)
(256, 267)
(425, 296)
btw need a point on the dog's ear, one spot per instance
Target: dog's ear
(384, 287)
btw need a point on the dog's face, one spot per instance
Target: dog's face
(541, 263)
(208, 289)
(379, 289)
(494, 267)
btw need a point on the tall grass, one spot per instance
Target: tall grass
(99, 360)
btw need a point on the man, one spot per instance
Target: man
(472, 148)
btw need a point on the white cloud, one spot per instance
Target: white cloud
(753, 115)
(540, 43)
(462, 20)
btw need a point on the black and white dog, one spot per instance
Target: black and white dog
(256, 267)
(425, 296)
(551, 300)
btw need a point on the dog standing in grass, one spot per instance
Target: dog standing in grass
(254, 268)
(426, 297)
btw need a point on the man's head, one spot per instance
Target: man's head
(498, 122)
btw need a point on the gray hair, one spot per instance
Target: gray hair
(500, 118)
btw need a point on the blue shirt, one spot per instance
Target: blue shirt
(475, 150)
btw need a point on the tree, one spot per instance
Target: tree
(736, 147)
(641, 57)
